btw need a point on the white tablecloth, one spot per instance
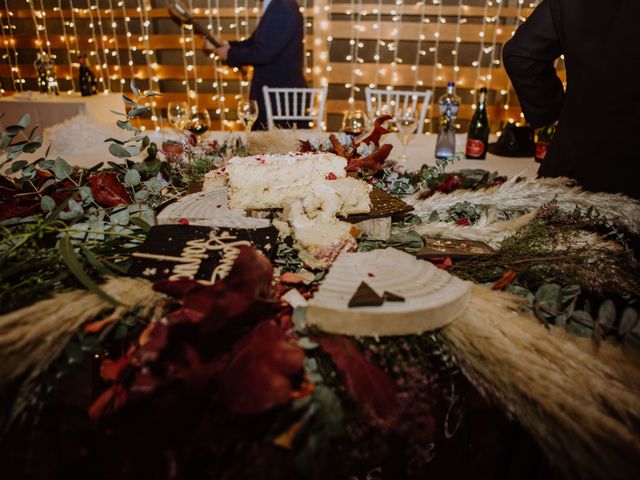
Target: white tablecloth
(80, 141)
(49, 110)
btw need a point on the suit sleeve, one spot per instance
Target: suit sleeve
(275, 34)
(528, 59)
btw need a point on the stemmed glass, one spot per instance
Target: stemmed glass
(247, 113)
(199, 120)
(355, 123)
(406, 123)
(178, 114)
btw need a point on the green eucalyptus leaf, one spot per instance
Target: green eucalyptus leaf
(549, 296)
(114, 140)
(132, 178)
(85, 193)
(134, 89)
(151, 93)
(47, 204)
(119, 113)
(61, 169)
(33, 130)
(121, 217)
(18, 165)
(133, 150)
(136, 112)
(125, 125)
(434, 217)
(569, 292)
(47, 184)
(128, 101)
(6, 140)
(583, 317)
(14, 129)
(31, 147)
(142, 195)
(145, 142)
(118, 151)
(70, 258)
(25, 120)
(607, 313)
(153, 185)
(579, 329)
(628, 321)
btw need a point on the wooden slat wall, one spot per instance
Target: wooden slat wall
(164, 39)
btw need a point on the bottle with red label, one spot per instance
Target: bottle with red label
(545, 135)
(478, 136)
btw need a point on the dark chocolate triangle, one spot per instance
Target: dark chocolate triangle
(365, 297)
(392, 297)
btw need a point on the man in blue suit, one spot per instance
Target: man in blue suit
(275, 50)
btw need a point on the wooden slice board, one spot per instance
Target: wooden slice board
(433, 297)
(211, 209)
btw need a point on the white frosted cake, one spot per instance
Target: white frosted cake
(272, 181)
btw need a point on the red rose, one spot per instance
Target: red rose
(107, 190)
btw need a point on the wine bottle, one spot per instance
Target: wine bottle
(86, 79)
(478, 136)
(545, 135)
(449, 106)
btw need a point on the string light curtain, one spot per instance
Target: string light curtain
(11, 52)
(379, 43)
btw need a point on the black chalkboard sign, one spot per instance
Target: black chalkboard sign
(173, 252)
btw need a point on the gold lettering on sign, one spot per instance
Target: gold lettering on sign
(197, 250)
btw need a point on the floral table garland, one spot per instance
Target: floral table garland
(235, 358)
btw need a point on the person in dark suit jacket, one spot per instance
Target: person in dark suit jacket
(275, 50)
(598, 115)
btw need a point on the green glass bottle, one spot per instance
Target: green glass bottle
(478, 136)
(545, 135)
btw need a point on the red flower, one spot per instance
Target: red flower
(107, 190)
(364, 381)
(464, 222)
(257, 375)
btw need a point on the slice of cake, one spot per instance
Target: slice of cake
(353, 194)
(272, 181)
(319, 244)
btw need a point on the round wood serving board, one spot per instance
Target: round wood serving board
(210, 209)
(433, 297)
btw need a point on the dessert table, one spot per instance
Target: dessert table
(49, 110)
(112, 370)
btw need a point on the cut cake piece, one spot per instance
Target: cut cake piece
(319, 244)
(272, 181)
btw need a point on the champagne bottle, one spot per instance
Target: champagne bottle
(478, 136)
(449, 106)
(545, 135)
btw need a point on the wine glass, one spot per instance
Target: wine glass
(354, 123)
(247, 113)
(406, 123)
(177, 114)
(199, 120)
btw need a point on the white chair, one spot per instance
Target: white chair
(295, 104)
(380, 102)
